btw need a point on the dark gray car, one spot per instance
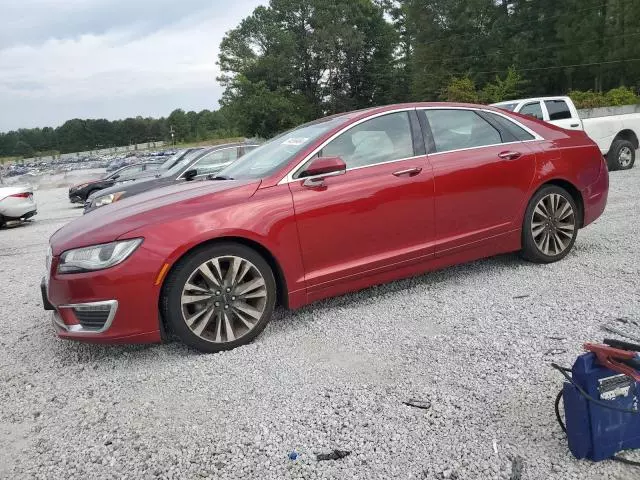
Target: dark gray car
(196, 165)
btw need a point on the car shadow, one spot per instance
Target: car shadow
(74, 353)
(11, 224)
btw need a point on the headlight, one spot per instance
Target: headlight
(107, 199)
(97, 257)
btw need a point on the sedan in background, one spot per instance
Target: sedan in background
(79, 193)
(196, 165)
(333, 206)
(16, 203)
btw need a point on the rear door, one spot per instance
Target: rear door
(559, 113)
(483, 168)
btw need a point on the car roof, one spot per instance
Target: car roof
(532, 99)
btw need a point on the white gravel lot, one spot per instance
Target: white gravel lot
(331, 376)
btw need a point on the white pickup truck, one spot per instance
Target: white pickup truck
(616, 130)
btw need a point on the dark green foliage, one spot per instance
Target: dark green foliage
(84, 135)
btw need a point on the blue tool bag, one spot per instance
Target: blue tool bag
(606, 423)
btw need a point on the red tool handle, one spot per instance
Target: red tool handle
(607, 356)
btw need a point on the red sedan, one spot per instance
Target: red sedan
(333, 206)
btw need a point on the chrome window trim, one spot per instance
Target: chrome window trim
(481, 146)
(288, 178)
(113, 308)
(180, 177)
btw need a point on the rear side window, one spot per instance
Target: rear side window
(518, 132)
(558, 109)
(533, 110)
(459, 129)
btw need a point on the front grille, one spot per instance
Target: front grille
(94, 318)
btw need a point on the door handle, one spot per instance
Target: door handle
(412, 172)
(575, 125)
(509, 155)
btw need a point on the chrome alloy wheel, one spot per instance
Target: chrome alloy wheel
(625, 157)
(224, 299)
(553, 224)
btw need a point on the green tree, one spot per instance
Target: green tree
(23, 149)
(461, 90)
(509, 88)
(308, 57)
(180, 123)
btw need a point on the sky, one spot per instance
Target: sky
(64, 59)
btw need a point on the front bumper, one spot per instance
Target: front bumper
(116, 305)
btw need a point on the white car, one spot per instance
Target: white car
(16, 203)
(616, 130)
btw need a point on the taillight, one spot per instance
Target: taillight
(21, 195)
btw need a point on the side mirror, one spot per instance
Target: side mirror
(325, 166)
(190, 174)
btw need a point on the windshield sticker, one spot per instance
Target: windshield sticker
(294, 141)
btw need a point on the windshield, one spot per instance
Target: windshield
(172, 159)
(177, 168)
(275, 153)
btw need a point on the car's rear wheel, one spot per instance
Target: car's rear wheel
(219, 297)
(550, 225)
(622, 155)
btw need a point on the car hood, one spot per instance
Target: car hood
(137, 187)
(89, 182)
(111, 222)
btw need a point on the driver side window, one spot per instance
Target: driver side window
(381, 139)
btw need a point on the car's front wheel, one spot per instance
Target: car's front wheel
(219, 297)
(550, 225)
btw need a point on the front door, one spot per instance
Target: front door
(376, 216)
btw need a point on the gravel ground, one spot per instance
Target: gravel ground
(474, 340)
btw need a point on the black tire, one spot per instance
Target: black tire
(551, 227)
(618, 156)
(2, 221)
(171, 296)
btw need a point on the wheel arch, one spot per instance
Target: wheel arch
(573, 191)
(628, 135)
(281, 282)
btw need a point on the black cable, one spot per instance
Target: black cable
(557, 406)
(564, 373)
(626, 461)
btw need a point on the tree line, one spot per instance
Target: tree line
(79, 135)
(296, 60)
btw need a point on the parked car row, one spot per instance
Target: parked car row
(332, 206)
(190, 165)
(79, 193)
